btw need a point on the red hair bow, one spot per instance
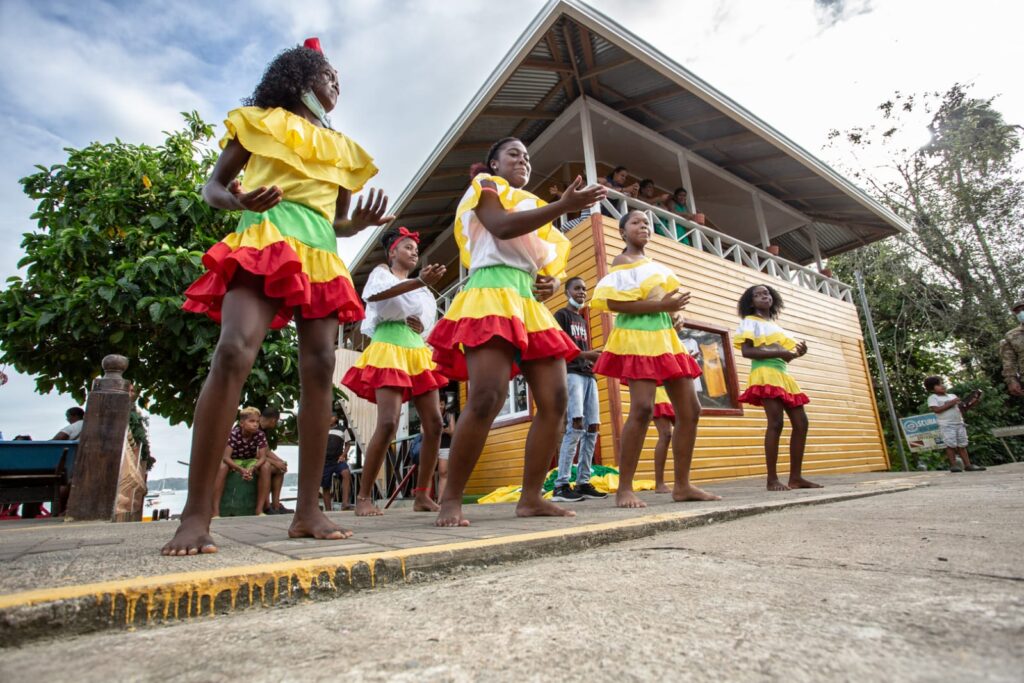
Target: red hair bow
(402, 234)
(313, 44)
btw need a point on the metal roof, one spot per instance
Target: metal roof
(571, 50)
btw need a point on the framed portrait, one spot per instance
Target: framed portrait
(717, 388)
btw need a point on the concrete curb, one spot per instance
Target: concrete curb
(145, 601)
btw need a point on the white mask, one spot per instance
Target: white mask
(312, 103)
(575, 305)
(1020, 316)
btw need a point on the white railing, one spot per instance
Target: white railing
(705, 239)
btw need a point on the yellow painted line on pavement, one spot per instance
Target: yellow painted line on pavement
(163, 593)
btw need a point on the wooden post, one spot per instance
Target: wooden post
(101, 445)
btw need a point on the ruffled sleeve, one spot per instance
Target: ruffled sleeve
(318, 153)
(762, 333)
(381, 279)
(632, 283)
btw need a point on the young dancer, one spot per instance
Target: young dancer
(770, 349)
(643, 351)
(396, 367)
(496, 327)
(664, 418)
(280, 262)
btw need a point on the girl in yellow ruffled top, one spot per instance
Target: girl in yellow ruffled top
(280, 262)
(497, 328)
(770, 349)
(644, 351)
(396, 367)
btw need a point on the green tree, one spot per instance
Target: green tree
(940, 294)
(121, 230)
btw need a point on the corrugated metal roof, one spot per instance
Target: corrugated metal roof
(622, 72)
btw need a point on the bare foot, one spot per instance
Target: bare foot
(366, 508)
(424, 504)
(628, 499)
(801, 483)
(316, 525)
(191, 538)
(662, 488)
(450, 514)
(539, 507)
(776, 485)
(691, 492)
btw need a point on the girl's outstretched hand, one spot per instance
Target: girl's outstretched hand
(674, 301)
(373, 213)
(431, 273)
(801, 348)
(544, 287)
(259, 200)
(576, 197)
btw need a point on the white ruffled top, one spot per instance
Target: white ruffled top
(419, 302)
(632, 282)
(762, 333)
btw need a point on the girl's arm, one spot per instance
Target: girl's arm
(429, 275)
(374, 213)
(506, 225)
(672, 302)
(766, 352)
(223, 191)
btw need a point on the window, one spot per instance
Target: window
(517, 403)
(717, 387)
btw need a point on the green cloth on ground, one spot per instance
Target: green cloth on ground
(595, 471)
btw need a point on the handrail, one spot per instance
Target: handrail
(727, 247)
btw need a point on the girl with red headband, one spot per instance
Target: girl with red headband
(497, 328)
(396, 367)
(280, 262)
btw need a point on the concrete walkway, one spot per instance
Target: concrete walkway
(82, 577)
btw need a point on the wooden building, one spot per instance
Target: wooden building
(585, 95)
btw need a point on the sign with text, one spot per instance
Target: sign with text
(922, 432)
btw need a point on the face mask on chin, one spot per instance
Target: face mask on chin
(1020, 316)
(575, 306)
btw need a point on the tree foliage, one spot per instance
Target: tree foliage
(120, 232)
(940, 294)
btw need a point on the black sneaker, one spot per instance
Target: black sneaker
(588, 491)
(955, 469)
(976, 468)
(564, 494)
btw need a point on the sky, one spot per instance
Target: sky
(81, 72)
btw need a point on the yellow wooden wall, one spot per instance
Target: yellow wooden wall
(845, 434)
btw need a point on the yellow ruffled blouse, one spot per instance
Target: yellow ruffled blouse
(307, 162)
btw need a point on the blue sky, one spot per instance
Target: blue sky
(77, 72)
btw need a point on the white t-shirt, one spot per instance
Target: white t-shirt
(73, 430)
(419, 302)
(947, 417)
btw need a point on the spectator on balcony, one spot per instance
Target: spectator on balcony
(679, 205)
(617, 179)
(650, 194)
(73, 429)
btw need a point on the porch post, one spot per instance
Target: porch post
(812, 236)
(762, 225)
(684, 174)
(587, 132)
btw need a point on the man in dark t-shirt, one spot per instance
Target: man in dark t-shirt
(336, 463)
(583, 414)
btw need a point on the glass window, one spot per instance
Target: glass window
(517, 403)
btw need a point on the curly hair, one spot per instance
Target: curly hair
(745, 306)
(931, 382)
(285, 79)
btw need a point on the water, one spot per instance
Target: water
(175, 501)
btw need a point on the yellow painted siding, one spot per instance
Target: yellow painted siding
(845, 432)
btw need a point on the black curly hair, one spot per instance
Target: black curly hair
(931, 382)
(745, 306)
(285, 79)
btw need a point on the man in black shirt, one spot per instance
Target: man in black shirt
(583, 414)
(336, 463)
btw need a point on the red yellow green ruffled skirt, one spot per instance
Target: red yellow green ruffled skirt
(294, 250)
(662, 405)
(396, 358)
(770, 378)
(645, 346)
(498, 301)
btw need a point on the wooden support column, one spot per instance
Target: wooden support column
(684, 175)
(762, 225)
(589, 157)
(101, 445)
(812, 237)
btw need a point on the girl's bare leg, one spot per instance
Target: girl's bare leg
(634, 431)
(489, 367)
(316, 371)
(687, 407)
(546, 379)
(797, 442)
(389, 409)
(664, 427)
(773, 412)
(245, 318)
(442, 477)
(430, 428)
